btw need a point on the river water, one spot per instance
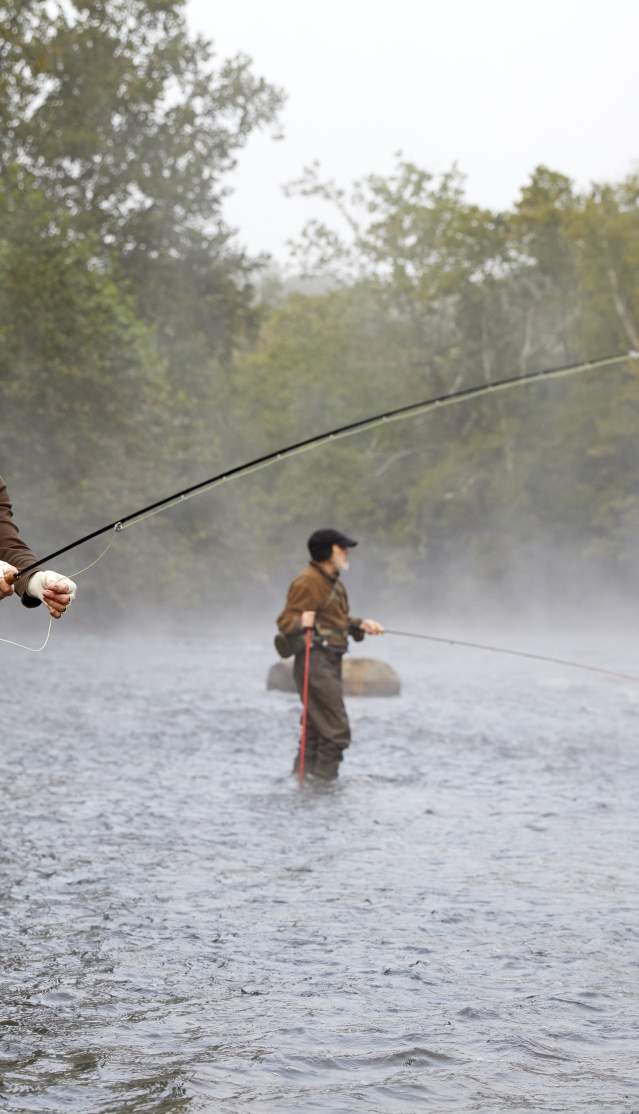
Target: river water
(452, 927)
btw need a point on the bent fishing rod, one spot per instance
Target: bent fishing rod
(400, 413)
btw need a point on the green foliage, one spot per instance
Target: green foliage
(73, 352)
(135, 356)
(432, 293)
(123, 295)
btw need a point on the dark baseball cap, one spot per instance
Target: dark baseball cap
(320, 544)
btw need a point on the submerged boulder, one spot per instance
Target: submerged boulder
(370, 677)
(362, 677)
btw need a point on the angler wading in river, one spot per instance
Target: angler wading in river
(317, 601)
(48, 587)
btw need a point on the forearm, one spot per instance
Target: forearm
(290, 621)
(16, 553)
(13, 549)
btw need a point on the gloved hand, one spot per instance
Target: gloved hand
(6, 582)
(371, 626)
(54, 590)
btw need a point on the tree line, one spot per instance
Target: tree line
(141, 348)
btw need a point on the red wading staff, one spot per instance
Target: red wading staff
(308, 637)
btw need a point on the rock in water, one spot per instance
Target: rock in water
(362, 677)
(370, 677)
(280, 677)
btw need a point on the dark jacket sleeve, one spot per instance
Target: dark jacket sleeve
(354, 627)
(12, 548)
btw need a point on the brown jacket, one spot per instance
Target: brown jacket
(12, 548)
(315, 590)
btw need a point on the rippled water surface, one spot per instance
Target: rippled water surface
(451, 927)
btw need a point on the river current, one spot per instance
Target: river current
(453, 926)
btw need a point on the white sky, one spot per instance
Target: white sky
(496, 85)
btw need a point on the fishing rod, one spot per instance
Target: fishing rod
(413, 409)
(512, 653)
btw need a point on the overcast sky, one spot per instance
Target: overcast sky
(496, 85)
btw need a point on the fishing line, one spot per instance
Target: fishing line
(31, 649)
(512, 653)
(73, 576)
(361, 426)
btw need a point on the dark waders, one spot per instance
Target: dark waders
(328, 730)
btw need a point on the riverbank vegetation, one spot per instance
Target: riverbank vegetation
(142, 349)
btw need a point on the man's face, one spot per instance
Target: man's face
(340, 558)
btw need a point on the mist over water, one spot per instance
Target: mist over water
(453, 926)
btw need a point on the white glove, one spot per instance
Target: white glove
(6, 586)
(41, 580)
